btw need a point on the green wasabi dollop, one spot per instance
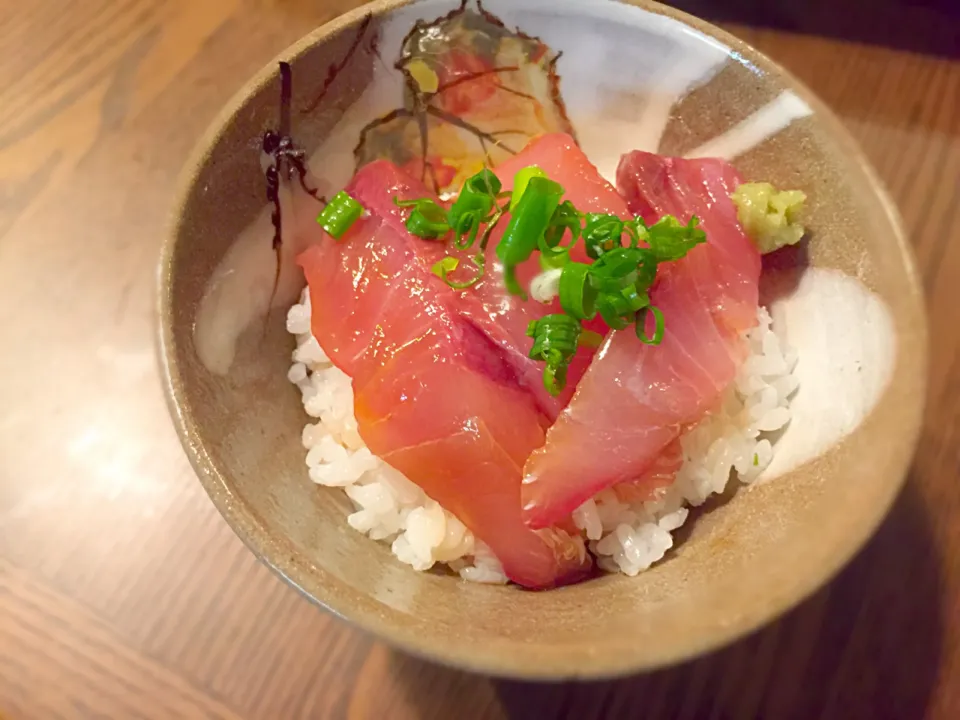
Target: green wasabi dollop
(769, 216)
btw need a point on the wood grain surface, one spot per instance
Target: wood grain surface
(124, 594)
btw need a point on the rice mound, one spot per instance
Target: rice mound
(626, 537)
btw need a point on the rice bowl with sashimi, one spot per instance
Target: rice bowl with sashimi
(525, 373)
(623, 515)
(482, 318)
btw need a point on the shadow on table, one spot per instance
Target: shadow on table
(926, 26)
(868, 646)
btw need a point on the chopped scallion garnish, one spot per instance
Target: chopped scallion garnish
(565, 219)
(427, 219)
(444, 267)
(520, 181)
(555, 341)
(473, 206)
(339, 215)
(529, 222)
(616, 284)
(658, 326)
(578, 297)
(670, 240)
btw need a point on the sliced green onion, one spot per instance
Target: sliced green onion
(339, 215)
(616, 284)
(578, 297)
(426, 225)
(635, 228)
(646, 268)
(636, 300)
(528, 222)
(409, 203)
(484, 183)
(601, 233)
(670, 240)
(480, 262)
(447, 265)
(520, 181)
(612, 312)
(565, 219)
(471, 233)
(443, 267)
(658, 326)
(491, 224)
(473, 206)
(555, 341)
(552, 257)
(510, 281)
(555, 372)
(618, 267)
(427, 220)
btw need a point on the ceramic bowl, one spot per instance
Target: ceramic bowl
(632, 74)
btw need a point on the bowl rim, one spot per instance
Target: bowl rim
(246, 525)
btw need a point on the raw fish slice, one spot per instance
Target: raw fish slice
(634, 399)
(433, 396)
(661, 473)
(726, 276)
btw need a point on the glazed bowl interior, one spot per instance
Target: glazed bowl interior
(633, 75)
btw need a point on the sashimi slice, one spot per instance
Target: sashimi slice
(635, 400)
(505, 317)
(727, 274)
(433, 396)
(660, 474)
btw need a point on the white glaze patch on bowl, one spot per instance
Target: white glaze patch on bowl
(847, 346)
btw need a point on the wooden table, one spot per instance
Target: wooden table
(124, 594)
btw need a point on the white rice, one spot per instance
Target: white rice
(625, 537)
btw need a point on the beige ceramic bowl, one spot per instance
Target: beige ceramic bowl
(634, 73)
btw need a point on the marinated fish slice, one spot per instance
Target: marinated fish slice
(634, 399)
(433, 396)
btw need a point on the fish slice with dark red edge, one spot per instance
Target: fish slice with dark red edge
(635, 399)
(433, 396)
(505, 317)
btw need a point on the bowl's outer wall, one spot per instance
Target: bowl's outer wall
(743, 563)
